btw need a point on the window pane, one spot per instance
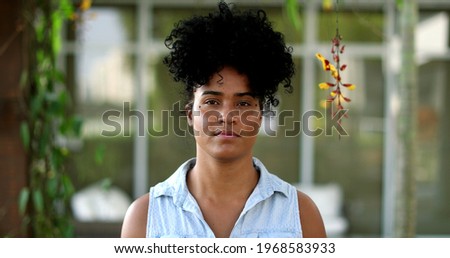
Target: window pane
(102, 75)
(355, 26)
(108, 25)
(433, 148)
(166, 18)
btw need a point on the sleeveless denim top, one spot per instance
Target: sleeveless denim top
(271, 210)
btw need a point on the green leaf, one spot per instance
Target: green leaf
(63, 98)
(23, 79)
(58, 76)
(68, 186)
(66, 7)
(71, 125)
(64, 126)
(52, 187)
(67, 228)
(56, 44)
(43, 141)
(40, 55)
(38, 201)
(106, 183)
(57, 21)
(292, 12)
(100, 154)
(25, 134)
(56, 159)
(40, 29)
(55, 107)
(35, 106)
(77, 125)
(24, 196)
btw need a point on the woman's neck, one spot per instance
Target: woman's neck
(221, 180)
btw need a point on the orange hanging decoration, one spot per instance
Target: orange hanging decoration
(336, 95)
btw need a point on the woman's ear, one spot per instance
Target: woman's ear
(188, 110)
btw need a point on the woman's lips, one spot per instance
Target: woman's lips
(227, 134)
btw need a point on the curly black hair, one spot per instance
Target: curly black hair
(202, 45)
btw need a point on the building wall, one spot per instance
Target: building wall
(12, 154)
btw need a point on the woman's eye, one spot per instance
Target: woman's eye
(244, 104)
(211, 102)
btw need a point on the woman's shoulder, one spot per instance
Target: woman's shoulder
(310, 218)
(135, 221)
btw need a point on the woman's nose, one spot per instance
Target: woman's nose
(228, 114)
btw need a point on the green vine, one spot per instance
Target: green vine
(45, 201)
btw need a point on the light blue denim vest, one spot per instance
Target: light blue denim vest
(270, 211)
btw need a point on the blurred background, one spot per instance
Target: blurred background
(112, 60)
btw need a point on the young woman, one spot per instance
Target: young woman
(231, 64)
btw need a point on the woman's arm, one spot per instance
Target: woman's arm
(135, 221)
(311, 220)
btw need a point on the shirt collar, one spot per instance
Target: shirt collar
(176, 186)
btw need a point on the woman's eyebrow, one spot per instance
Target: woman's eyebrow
(242, 94)
(212, 92)
(219, 93)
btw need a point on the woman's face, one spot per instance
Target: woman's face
(225, 116)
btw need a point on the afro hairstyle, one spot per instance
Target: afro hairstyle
(202, 45)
